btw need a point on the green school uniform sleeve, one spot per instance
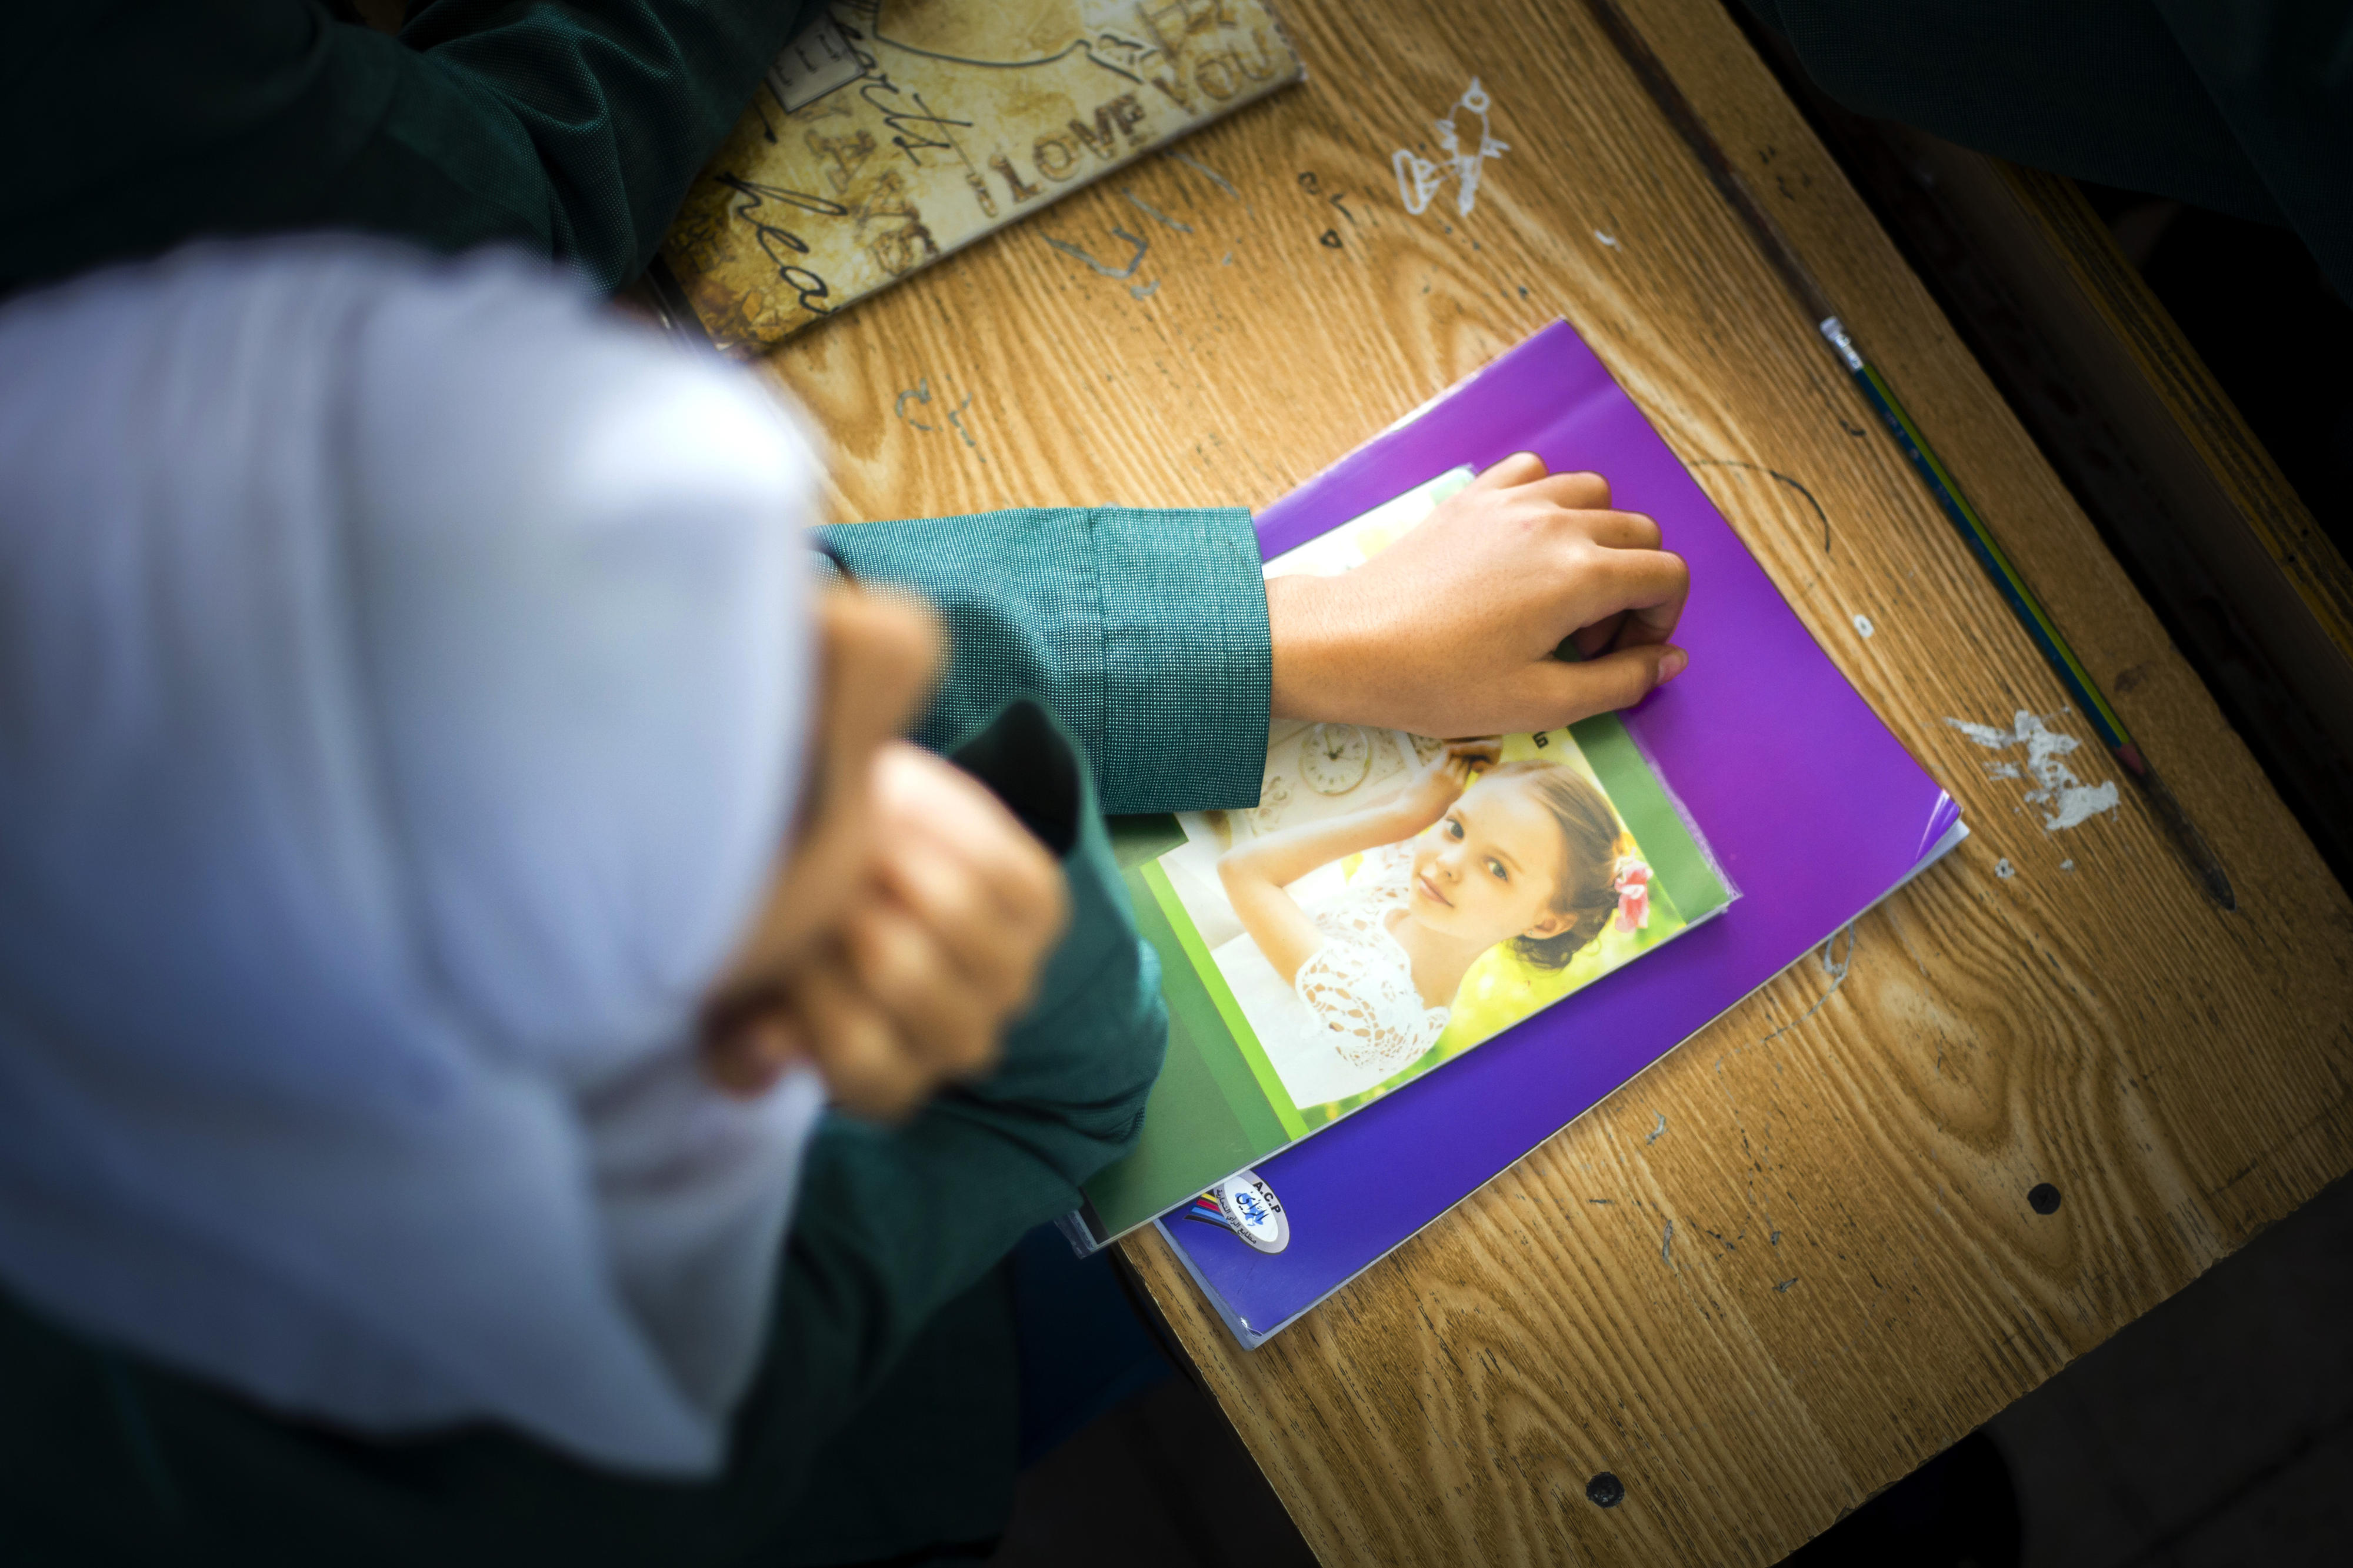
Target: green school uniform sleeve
(894, 1228)
(574, 128)
(1143, 632)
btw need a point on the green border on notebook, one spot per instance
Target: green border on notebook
(1245, 1038)
(1677, 864)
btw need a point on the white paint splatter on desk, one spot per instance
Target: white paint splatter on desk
(1419, 178)
(2071, 802)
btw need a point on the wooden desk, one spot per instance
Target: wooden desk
(1856, 1279)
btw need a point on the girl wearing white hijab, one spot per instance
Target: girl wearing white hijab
(446, 863)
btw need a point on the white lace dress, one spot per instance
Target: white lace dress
(1352, 1017)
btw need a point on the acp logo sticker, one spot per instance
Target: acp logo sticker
(1246, 1205)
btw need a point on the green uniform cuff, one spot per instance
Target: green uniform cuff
(1188, 657)
(1143, 631)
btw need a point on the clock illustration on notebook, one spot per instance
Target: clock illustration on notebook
(1335, 758)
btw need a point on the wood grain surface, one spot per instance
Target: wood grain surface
(1855, 1279)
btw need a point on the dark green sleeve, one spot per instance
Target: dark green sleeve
(892, 1225)
(575, 127)
(1143, 632)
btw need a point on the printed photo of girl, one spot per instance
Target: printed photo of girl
(1473, 852)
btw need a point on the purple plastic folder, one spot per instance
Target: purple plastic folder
(1812, 807)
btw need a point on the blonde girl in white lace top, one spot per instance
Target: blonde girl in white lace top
(1468, 855)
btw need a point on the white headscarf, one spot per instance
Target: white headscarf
(403, 686)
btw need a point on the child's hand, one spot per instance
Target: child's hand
(1450, 631)
(1442, 783)
(936, 952)
(907, 920)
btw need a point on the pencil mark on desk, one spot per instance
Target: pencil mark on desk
(1143, 290)
(1760, 469)
(1667, 1245)
(1783, 1287)
(1122, 273)
(1609, 239)
(921, 393)
(1659, 1132)
(956, 417)
(1216, 179)
(1154, 214)
(1835, 967)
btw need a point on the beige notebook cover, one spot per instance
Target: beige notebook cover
(892, 132)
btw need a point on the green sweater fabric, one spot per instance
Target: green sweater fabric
(572, 129)
(882, 1422)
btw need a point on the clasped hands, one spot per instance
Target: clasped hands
(912, 913)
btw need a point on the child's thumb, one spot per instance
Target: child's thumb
(1623, 677)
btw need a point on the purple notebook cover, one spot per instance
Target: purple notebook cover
(1812, 807)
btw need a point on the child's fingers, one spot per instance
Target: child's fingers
(1024, 890)
(1624, 676)
(1519, 468)
(868, 1070)
(1554, 693)
(1580, 492)
(942, 1014)
(1000, 956)
(752, 1055)
(1576, 490)
(1650, 585)
(1595, 638)
(1615, 530)
(932, 802)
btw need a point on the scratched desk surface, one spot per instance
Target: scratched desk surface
(1857, 1277)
